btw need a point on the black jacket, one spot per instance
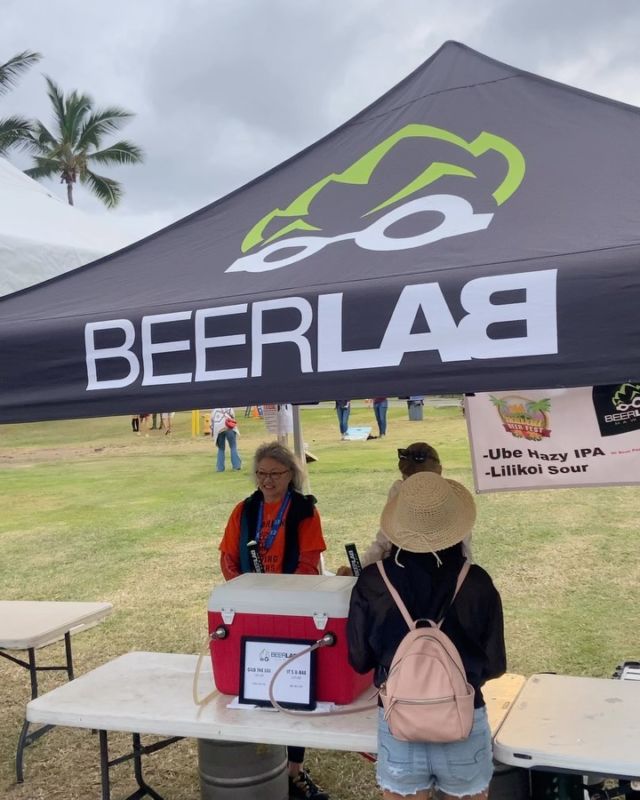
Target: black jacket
(474, 622)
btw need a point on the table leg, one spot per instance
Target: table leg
(104, 766)
(27, 738)
(67, 650)
(33, 673)
(139, 750)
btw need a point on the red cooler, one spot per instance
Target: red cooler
(286, 606)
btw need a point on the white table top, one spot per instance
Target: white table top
(152, 693)
(583, 725)
(37, 623)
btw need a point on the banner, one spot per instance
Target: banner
(278, 418)
(555, 438)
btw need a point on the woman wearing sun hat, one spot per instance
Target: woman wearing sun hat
(426, 522)
(417, 457)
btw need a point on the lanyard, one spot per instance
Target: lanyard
(277, 522)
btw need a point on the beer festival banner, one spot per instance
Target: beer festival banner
(555, 438)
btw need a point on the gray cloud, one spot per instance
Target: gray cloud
(225, 90)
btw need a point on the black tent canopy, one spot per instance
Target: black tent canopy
(477, 228)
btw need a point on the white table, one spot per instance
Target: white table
(151, 693)
(33, 624)
(579, 725)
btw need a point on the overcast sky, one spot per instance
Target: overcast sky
(225, 89)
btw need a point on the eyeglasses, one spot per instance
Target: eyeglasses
(263, 476)
(417, 457)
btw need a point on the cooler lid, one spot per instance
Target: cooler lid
(290, 595)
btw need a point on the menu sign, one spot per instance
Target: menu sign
(555, 438)
(260, 659)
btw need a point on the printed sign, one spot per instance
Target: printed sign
(260, 659)
(556, 438)
(278, 418)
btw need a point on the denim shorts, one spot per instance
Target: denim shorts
(455, 768)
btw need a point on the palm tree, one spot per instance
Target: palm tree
(14, 130)
(75, 144)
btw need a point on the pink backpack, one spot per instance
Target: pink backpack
(426, 696)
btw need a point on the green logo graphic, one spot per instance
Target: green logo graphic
(627, 397)
(361, 171)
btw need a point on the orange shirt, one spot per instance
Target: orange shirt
(310, 541)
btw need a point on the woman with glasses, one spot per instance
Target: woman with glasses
(284, 526)
(418, 457)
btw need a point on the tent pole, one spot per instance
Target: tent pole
(298, 447)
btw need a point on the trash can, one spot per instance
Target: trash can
(415, 410)
(242, 771)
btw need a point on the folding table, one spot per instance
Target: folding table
(33, 624)
(579, 725)
(152, 693)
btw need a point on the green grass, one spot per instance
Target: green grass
(92, 512)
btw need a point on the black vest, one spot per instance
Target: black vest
(301, 507)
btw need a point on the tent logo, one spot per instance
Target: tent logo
(617, 408)
(458, 214)
(524, 418)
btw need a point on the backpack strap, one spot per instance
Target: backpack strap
(461, 576)
(396, 597)
(401, 606)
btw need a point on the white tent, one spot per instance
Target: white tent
(42, 236)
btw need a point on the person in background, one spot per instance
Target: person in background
(418, 457)
(343, 409)
(224, 430)
(287, 528)
(144, 423)
(154, 421)
(135, 424)
(166, 419)
(380, 406)
(426, 522)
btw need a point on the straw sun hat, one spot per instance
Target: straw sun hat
(428, 514)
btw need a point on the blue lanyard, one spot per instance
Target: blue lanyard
(275, 525)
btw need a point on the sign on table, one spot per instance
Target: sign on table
(555, 438)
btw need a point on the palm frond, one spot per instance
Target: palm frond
(45, 168)
(76, 141)
(77, 106)
(56, 96)
(68, 111)
(11, 70)
(106, 189)
(14, 132)
(118, 153)
(42, 140)
(102, 122)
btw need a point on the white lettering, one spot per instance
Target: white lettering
(443, 335)
(468, 339)
(538, 311)
(149, 347)
(458, 214)
(331, 356)
(204, 343)
(398, 338)
(259, 338)
(458, 219)
(123, 351)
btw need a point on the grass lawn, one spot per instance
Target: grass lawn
(93, 512)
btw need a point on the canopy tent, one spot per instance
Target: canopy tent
(475, 229)
(41, 236)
